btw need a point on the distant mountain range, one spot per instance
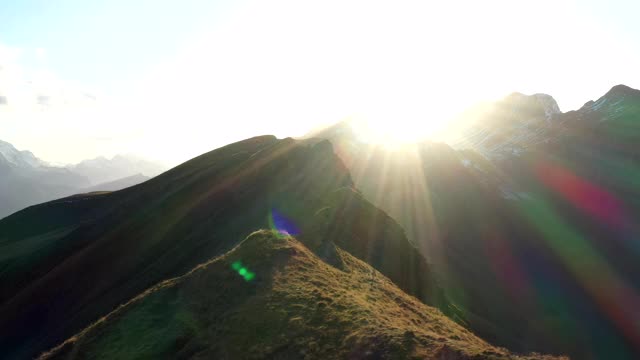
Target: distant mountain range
(524, 232)
(103, 170)
(26, 180)
(118, 184)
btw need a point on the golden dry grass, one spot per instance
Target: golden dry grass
(297, 307)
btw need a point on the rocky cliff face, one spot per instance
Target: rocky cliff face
(510, 126)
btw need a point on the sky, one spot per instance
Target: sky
(169, 80)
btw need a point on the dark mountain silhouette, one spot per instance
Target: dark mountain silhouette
(529, 223)
(294, 305)
(68, 262)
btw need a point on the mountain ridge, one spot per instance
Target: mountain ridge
(103, 249)
(498, 222)
(19, 158)
(534, 225)
(296, 294)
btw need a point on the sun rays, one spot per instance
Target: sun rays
(528, 246)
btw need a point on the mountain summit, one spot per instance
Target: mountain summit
(19, 158)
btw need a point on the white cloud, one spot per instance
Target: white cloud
(43, 113)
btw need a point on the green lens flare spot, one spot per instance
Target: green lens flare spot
(242, 271)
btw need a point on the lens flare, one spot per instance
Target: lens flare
(588, 197)
(243, 271)
(616, 298)
(281, 224)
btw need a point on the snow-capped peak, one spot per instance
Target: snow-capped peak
(19, 158)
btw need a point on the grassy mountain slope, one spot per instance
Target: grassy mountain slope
(68, 262)
(547, 233)
(296, 306)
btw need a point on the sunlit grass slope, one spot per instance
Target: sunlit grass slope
(297, 306)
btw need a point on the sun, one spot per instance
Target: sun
(392, 131)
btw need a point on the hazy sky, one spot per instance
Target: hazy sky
(172, 79)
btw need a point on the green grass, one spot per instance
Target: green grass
(296, 307)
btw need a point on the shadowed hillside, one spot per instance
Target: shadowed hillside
(293, 306)
(68, 262)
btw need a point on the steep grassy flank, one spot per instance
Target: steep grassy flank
(66, 263)
(297, 306)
